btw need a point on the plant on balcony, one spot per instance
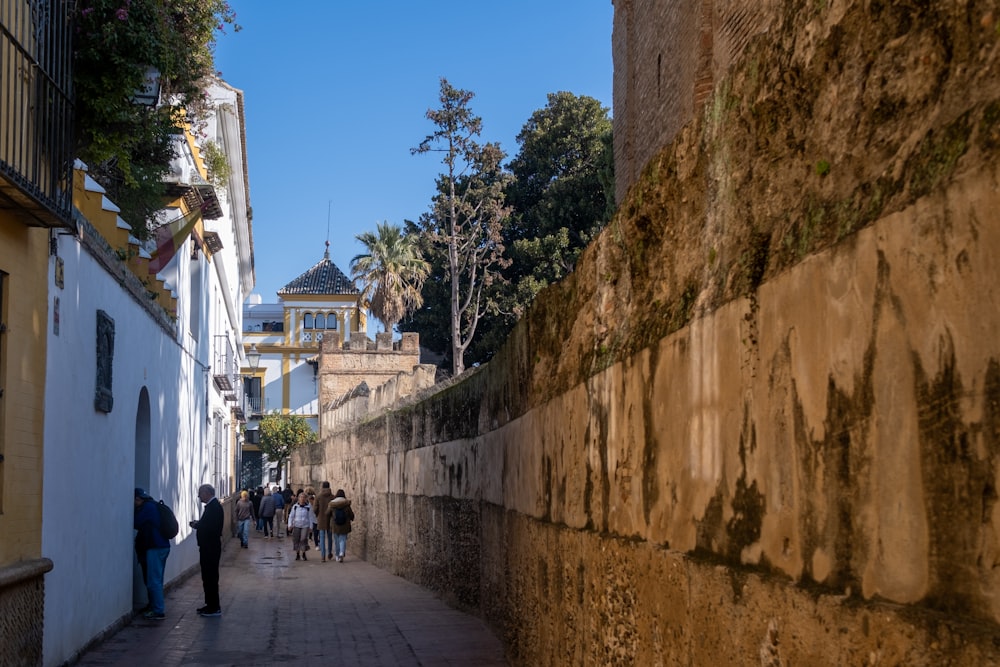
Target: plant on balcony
(127, 146)
(216, 164)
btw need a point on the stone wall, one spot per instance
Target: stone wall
(758, 424)
(345, 365)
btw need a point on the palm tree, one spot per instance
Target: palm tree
(391, 273)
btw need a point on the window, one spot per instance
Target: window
(251, 385)
(307, 321)
(320, 321)
(331, 321)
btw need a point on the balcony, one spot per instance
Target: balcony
(36, 117)
(224, 370)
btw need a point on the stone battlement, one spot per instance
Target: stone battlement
(345, 365)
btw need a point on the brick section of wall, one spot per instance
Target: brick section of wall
(668, 57)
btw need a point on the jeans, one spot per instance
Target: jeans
(156, 561)
(268, 525)
(326, 543)
(340, 544)
(243, 530)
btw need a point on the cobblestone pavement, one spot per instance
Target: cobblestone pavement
(278, 611)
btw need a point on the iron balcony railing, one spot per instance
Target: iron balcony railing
(224, 369)
(36, 111)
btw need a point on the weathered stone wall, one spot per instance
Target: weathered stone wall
(758, 424)
(342, 367)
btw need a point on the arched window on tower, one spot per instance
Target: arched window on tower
(331, 321)
(320, 321)
(307, 321)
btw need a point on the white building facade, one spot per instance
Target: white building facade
(321, 302)
(143, 386)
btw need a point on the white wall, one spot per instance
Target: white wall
(90, 467)
(90, 456)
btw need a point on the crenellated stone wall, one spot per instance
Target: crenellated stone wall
(345, 365)
(759, 424)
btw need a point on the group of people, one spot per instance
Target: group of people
(324, 518)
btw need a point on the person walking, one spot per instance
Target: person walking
(244, 515)
(323, 521)
(267, 513)
(341, 515)
(279, 509)
(255, 498)
(314, 530)
(300, 525)
(209, 532)
(152, 549)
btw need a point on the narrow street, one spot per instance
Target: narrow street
(278, 611)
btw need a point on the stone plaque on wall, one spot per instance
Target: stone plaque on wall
(103, 398)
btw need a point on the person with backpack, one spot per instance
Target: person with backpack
(152, 549)
(300, 525)
(341, 515)
(323, 522)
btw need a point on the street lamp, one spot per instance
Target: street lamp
(253, 358)
(148, 94)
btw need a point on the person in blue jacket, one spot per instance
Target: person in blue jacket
(279, 511)
(152, 549)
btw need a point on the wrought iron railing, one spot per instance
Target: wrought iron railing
(224, 369)
(36, 111)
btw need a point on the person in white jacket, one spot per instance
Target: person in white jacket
(300, 519)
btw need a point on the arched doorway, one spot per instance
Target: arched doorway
(143, 437)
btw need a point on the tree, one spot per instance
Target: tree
(392, 272)
(128, 147)
(562, 192)
(467, 214)
(280, 435)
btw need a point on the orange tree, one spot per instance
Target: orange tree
(280, 435)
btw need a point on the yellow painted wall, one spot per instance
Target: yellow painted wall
(24, 260)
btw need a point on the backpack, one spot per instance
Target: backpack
(339, 516)
(168, 522)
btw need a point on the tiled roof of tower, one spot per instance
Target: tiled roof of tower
(324, 278)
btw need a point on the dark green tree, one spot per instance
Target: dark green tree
(562, 193)
(467, 215)
(280, 435)
(391, 273)
(561, 196)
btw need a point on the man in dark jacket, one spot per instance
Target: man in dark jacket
(152, 549)
(209, 532)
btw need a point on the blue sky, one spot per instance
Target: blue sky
(336, 95)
